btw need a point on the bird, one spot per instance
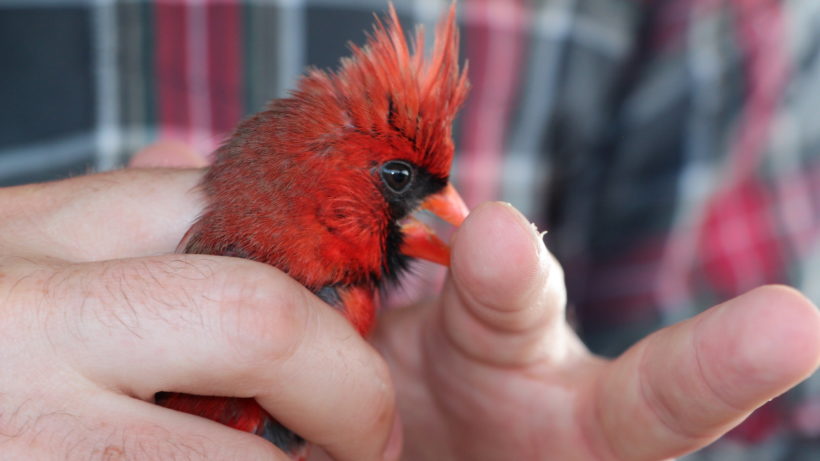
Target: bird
(324, 185)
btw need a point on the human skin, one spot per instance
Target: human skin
(490, 370)
(98, 315)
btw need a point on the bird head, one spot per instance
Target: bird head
(380, 127)
(323, 184)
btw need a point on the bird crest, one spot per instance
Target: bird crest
(388, 86)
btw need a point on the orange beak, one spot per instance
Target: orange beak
(419, 240)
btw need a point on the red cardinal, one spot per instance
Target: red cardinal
(321, 185)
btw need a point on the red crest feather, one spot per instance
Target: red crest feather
(388, 86)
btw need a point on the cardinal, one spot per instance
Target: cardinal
(323, 184)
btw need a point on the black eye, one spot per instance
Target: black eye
(397, 175)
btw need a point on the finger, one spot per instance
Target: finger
(106, 426)
(168, 154)
(210, 325)
(504, 301)
(123, 213)
(686, 385)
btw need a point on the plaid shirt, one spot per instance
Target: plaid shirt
(671, 147)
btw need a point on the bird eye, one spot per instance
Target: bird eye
(397, 175)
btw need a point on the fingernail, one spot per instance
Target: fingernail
(529, 227)
(392, 451)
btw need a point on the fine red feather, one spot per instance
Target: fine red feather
(311, 184)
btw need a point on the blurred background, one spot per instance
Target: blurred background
(671, 148)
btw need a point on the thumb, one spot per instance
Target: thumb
(503, 303)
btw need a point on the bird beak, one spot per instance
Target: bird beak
(419, 240)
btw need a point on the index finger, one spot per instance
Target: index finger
(102, 216)
(688, 384)
(209, 325)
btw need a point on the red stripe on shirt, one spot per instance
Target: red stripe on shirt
(739, 246)
(224, 65)
(495, 44)
(171, 74)
(761, 34)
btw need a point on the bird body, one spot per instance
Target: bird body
(322, 184)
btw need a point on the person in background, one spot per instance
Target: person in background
(671, 150)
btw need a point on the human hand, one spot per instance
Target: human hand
(491, 371)
(98, 317)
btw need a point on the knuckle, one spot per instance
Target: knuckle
(55, 428)
(25, 289)
(145, 441)
(131, 441)
(379, 411)
(149, 440)
(263, 314)
(674, 415)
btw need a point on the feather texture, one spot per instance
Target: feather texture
(300, 185)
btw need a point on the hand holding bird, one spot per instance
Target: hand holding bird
(95, 323)
(490, 371)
